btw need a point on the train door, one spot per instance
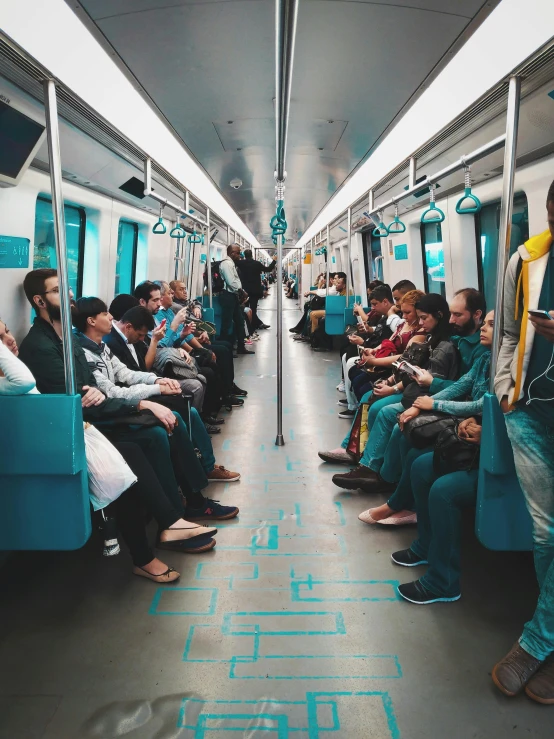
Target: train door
(434, 275)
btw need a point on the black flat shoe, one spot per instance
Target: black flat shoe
(238, 392)
(213, 420)
(233, 400)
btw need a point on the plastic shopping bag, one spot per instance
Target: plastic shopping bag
(109, 475)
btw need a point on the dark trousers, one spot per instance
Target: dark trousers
(214, 387)
(146, 494)
(232, 317)
(253, 302)
(224, 356)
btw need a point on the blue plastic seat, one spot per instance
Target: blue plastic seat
(213, 315)
(44, 500)
(334, 314)
(502, 521)
(349, 318)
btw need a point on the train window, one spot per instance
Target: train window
(44, 254)
(372, 250)
(433, 258)
(487, 248)
(127, 242)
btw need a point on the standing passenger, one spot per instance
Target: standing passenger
(230, 299)
(526, 395)
(250, 273)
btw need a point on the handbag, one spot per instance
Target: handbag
(206, 326)
(359, 432)
(455, 454)
(424, 430)
(109, 475)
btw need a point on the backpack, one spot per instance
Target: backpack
(218, 284)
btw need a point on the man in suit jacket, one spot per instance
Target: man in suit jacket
(250, 273)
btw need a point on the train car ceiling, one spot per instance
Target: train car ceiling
(216, 87)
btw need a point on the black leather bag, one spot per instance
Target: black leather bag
(424, 430)
(454, 454)
(317, 303)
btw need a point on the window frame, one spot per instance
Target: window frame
(424, 257)
(82, 234)
(134, 256)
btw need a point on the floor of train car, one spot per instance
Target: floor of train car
(289, 628)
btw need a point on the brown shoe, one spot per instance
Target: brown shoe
(513, 672)
(220, 474)
(541, 687)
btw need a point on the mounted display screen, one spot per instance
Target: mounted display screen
(19, 135)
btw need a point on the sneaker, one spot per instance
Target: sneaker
(540, 688)
(238, 392)
(248, 342)
(337, 456)
(417, 593)
(407, 558)
(342, 402)
(340, 387)
(212, 510)
(347, 414)
(212, 429)
(220, 474)
(512, 673)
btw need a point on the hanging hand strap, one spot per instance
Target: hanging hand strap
(177, 232)
(278, 223)
(433, 214)
(381, 232)
(474, 204)
(159, 227)
(396, 227)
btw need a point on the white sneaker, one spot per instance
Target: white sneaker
(340, 387)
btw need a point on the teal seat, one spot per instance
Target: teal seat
(44, 500)
(334, 314)
(502, 522)
(349, 318)
(214, 312)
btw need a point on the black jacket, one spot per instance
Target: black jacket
(250, 273)
(42, 351)
(121, 350)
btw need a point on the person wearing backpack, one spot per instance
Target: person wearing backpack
(250, 272)
(230, 297)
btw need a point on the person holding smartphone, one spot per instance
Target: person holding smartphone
(524, 385)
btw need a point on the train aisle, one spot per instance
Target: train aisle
(290, 627)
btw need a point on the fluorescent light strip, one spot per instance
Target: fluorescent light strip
(50, 32)
(511, 33)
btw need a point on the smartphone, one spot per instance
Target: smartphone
(162, 323)
(359, 319)
(536, 313)
(360, 351)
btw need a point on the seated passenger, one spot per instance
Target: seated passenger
(180, 298)
(174, 532)
(381, 301)
(173, 457)
(440, 497)
(442, 361)
(149, 296)
(398, 510)
(93, 322)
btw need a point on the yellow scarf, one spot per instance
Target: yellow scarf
(537, 247)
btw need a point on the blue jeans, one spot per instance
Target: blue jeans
(373, 412)
(533, 445)
(380, 435)
(201, 439)
(439, 502)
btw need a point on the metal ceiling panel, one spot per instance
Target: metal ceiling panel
(357, 65)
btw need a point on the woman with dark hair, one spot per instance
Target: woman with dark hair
(440, 357)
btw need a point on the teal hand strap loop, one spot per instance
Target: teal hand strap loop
(195, 238)
(159, 227)
(433, 214)
(177, 232)
(474, 204)
(278, 223)
(381, 232)
(396, 226)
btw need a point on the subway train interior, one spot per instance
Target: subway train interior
(275, 359)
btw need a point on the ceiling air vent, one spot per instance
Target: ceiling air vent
(134, 187)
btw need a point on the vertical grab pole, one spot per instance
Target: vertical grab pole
(506, 209)
(229, 242)
(208, 256)
(279, 441)
(54, 156)
(328, 260)
(349, 255)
